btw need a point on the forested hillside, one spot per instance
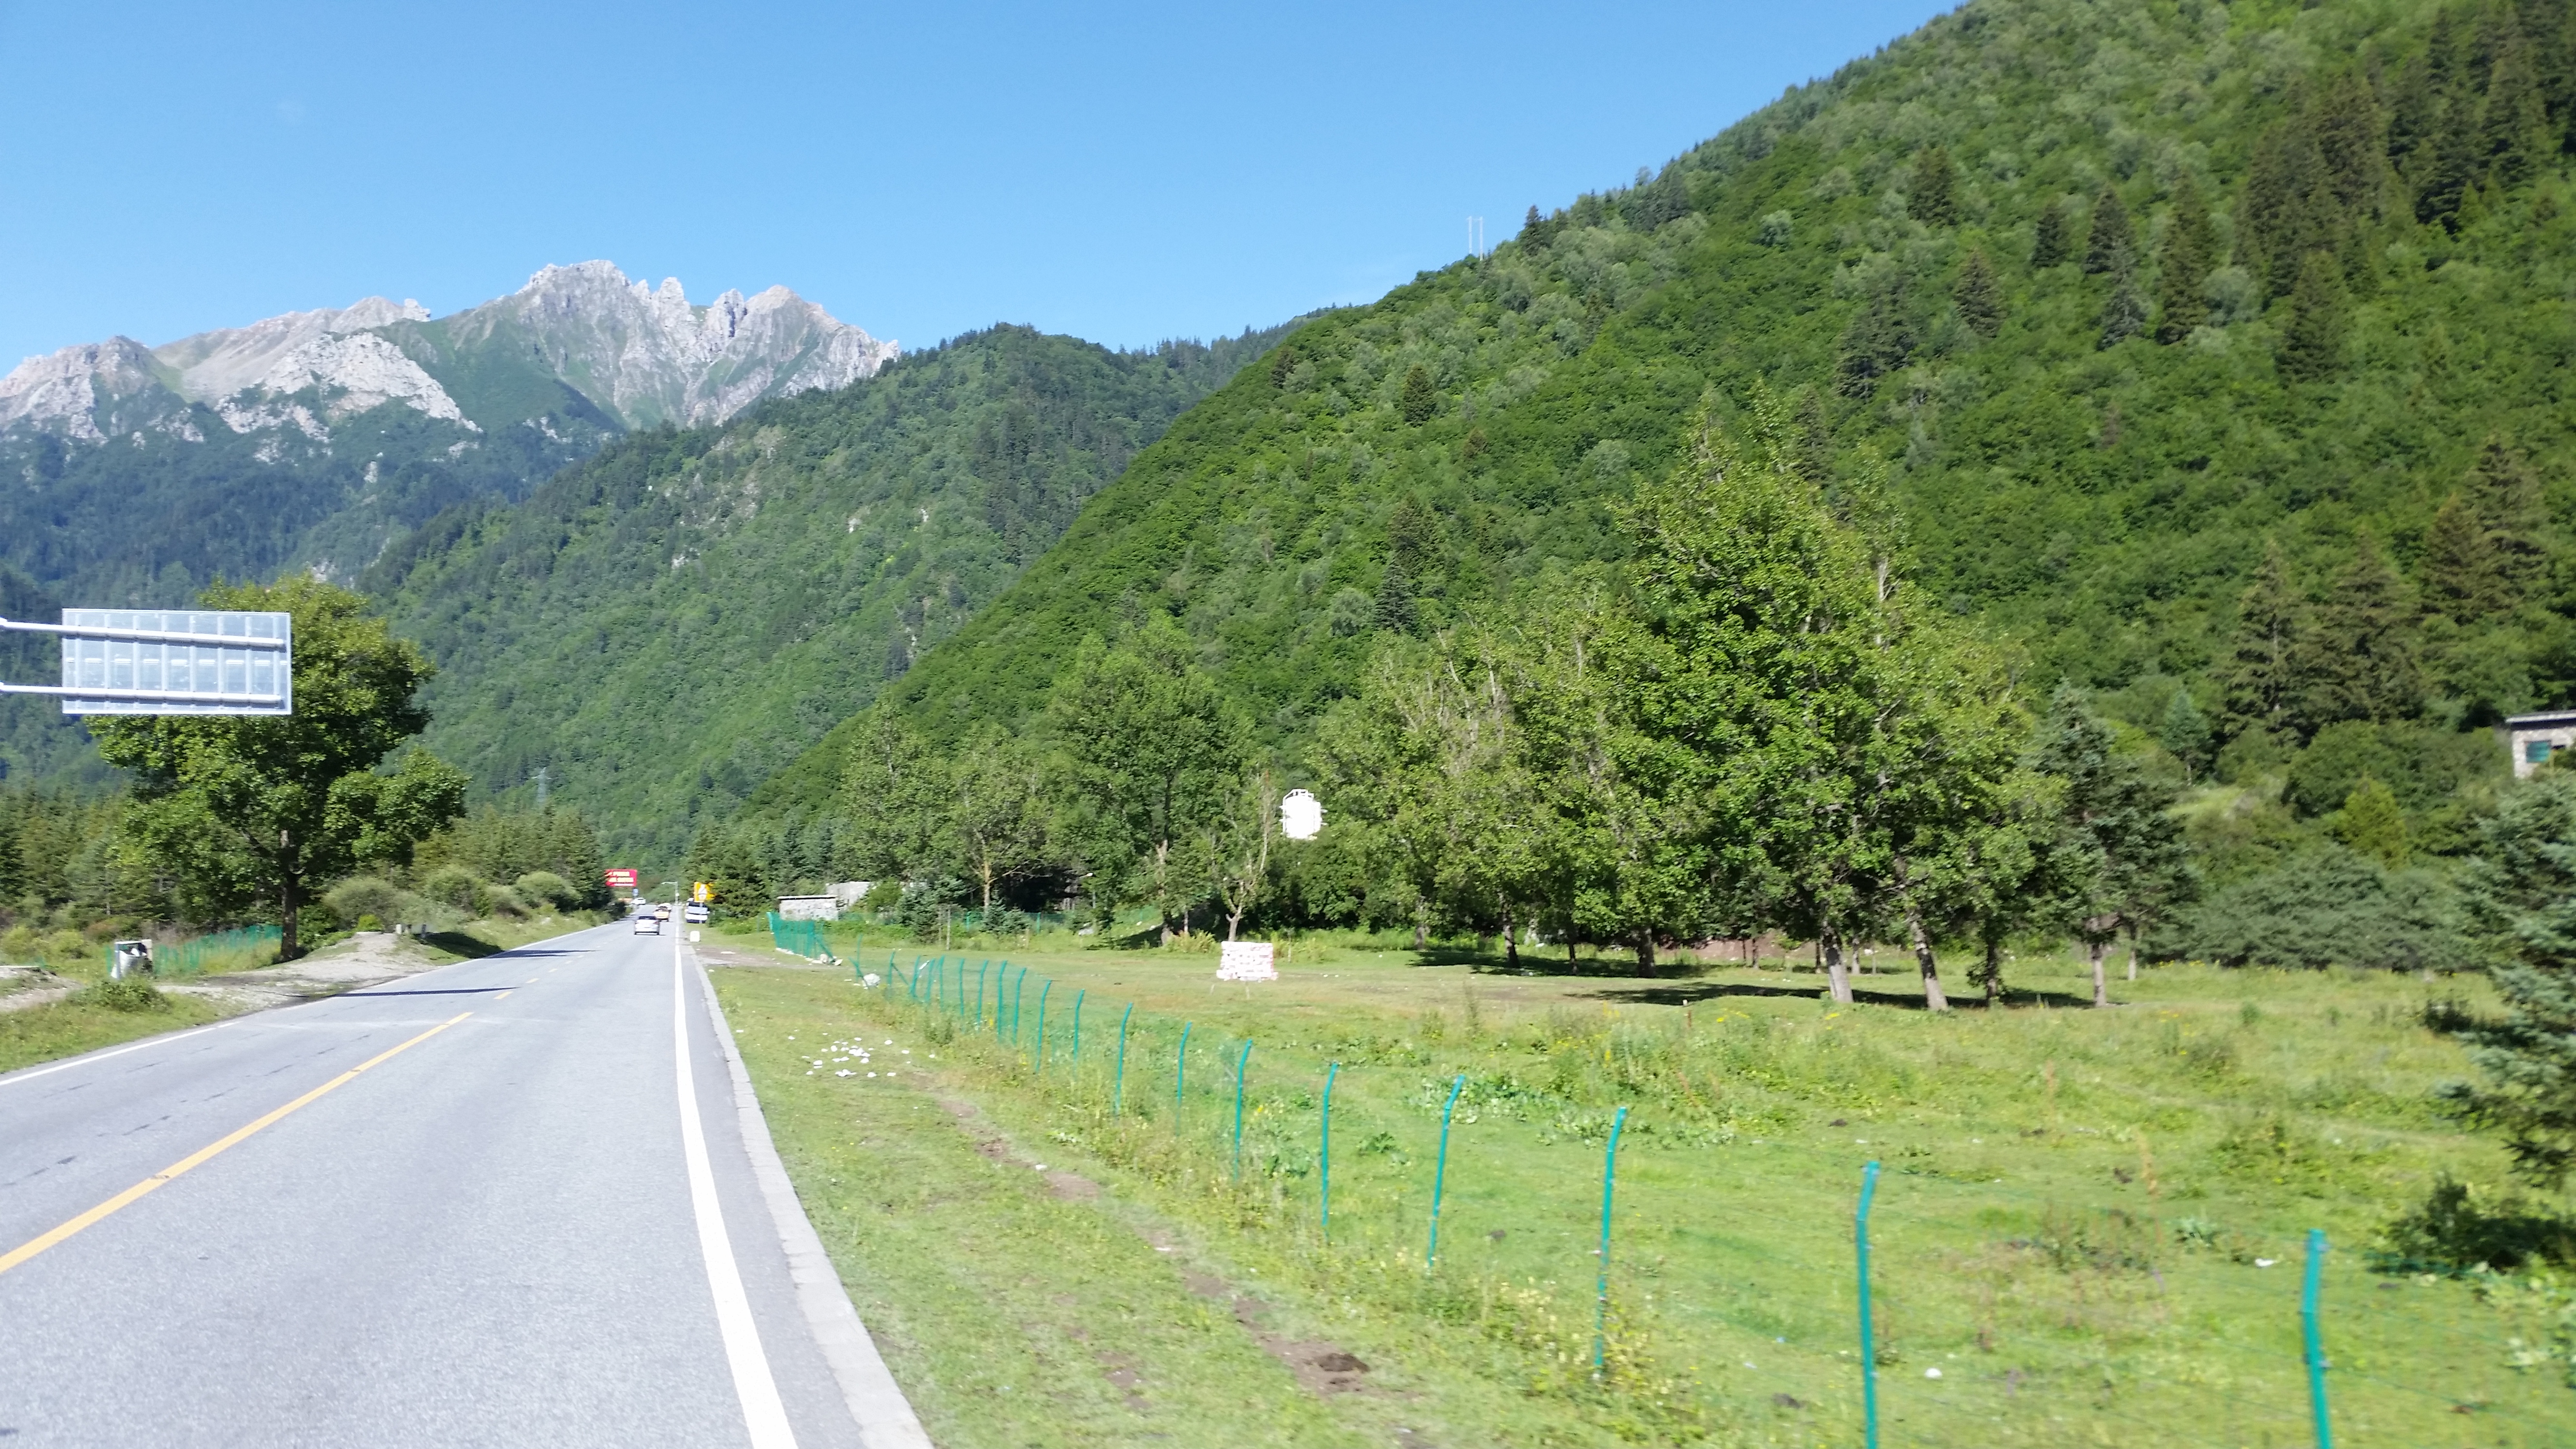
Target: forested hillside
(664, 625)
(2104, 298)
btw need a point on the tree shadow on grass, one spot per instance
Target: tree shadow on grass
(457, 943)
(1685, 993)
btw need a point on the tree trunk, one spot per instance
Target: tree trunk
(2101, 987)
(2133, 953)
(1837, 978)
(1994, 972)
(1511, 940)
(290, 942)
(1933, 997)
(1645, 953)
(1231, 922)
(1421, 934)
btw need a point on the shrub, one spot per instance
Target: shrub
(503, 901)
(129, 993)
(2453, 1231)
(362, 897)
(545, 888)
(456, 887)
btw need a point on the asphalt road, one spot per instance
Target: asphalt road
(487, 1237)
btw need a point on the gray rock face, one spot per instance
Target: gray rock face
(641, 355)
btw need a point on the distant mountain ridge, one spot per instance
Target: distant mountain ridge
(134, 475)
(640, 354)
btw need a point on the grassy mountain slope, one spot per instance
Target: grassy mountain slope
(666, 624)
(2072, 479)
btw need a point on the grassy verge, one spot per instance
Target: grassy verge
(70, 1027)
(81, 1023)
(2089, 1223)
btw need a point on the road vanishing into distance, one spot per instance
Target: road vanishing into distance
(522, 1200)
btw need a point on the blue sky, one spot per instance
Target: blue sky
(1123, 174)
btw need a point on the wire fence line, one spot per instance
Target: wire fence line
(1999, 1314)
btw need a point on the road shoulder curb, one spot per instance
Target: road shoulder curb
(885, 1418)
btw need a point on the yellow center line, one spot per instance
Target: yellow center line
(202, 1155)
(504, 996)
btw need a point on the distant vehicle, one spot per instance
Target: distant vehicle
(648, 924)
(662, 913)
(694, 915)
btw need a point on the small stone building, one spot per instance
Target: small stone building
(2533, 738)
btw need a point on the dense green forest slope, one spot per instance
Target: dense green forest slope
(666, 624)
(2103, 294)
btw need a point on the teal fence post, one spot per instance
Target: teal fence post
(1180, 1067)
(1868, 1347)
(1018, 986)
(1001, 978)
(1601, 1293)
(1078, 994)
(1118, 1090)
(1043, 988)
(2314, 1342)
(1440, 1169)
(1331, 1070)
(980, 968)
(1240, 1062)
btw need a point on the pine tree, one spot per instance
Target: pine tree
(2352, 148)
(2110, 236)
(1933, 199)
(1813, 457)
(2124, 312)
(2371, 823)
(2053, 238)
(2118, 858)
(2185, 733)
(1878, 340)
(2505, 494)
(1979, 296)
(2522, 890)
(2311, 347)
(1395, 612)
(2280, 214)
(2262, 685)
(2515, 121)
(2458, 571)
(2190, 245)
(2358, 662)
(1419, 400)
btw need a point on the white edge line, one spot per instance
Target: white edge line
(764, 1415)
(885, 1418)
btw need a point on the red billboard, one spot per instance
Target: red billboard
(622, 877)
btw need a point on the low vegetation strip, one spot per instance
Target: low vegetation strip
(2090, 1223)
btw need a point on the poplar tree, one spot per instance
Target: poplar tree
(247, 807)
(1978, 295)
(1153, 750)
(2110, 237)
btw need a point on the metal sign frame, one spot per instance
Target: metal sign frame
(170, 661)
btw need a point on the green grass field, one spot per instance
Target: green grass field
(2089, 1228)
